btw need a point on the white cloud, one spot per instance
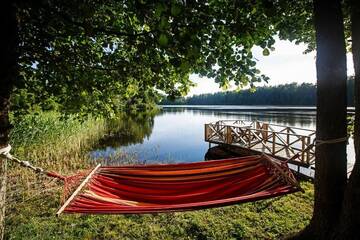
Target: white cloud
(284, 65)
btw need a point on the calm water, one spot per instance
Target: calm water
(176, 134)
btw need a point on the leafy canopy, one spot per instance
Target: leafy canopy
(102, 56)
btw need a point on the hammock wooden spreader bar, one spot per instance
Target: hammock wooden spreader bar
(180, 187)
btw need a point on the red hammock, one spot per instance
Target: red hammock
(180, 187)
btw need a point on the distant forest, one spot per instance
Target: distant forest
(288, 94)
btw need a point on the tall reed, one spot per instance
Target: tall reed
(52, 142)
(49, 140)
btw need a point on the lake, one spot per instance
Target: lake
(176, 133)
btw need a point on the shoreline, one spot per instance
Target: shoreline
(244, 108)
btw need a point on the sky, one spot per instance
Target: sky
(286, 64)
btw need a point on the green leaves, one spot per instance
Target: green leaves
(163, 40)
(266, 52)
(175, 9)
(159, 9)
(105, 48)
(163, 23)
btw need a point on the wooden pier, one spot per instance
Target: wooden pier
(283, 142)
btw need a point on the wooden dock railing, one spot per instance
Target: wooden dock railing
(280, 141)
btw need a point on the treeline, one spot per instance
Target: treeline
(288, 94)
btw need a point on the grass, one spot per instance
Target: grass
(269, 219)
(33, 200)
(54, 143)
(49, 140)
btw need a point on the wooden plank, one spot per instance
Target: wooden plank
(287, 135)
(302, 149)
(278, 132)
(228, 135)
(307, 151)
(273, 143)
(206, 132)
(298, 128)
(262, 122)
(265, 131)
(77, 190)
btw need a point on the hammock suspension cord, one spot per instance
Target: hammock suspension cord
(69, 182)
(5, 152)
(319, 142)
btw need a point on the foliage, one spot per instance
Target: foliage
(102, 56)
(350, 125)
(287, 94)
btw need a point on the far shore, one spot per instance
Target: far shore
(351, 110)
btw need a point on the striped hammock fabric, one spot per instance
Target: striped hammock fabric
(180, 187)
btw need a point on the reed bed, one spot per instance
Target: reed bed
(49, 140)
(52, 142)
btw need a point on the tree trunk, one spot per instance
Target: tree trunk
(350, 218)
(8, 73)
(330, 174)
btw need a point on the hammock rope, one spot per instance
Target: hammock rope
(5, 152)
(69, 182)
(319, 142)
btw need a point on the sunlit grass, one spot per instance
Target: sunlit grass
(267, 219)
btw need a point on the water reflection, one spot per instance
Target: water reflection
(289, 118)
(177, 134)
(128, 130)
